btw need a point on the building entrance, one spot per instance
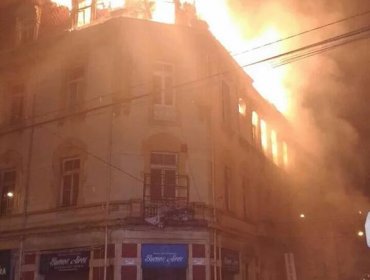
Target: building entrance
(164, 273)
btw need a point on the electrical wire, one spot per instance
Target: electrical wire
(302, 33)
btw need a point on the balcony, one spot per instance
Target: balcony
(166, 201)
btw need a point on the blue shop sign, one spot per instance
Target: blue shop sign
(164, 255)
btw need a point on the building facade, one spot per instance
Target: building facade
(133, 149)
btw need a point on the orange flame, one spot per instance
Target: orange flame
(268, 81)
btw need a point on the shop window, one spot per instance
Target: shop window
(199, 251)
(129, 250)
(163, 92)
(28, 275)
(128, 272)
(71, 168)
(16, 103)
(100, 252)
(7, 189)
(199, 272)
(98, 273)
(163, 175)
(75, 87)
(30, 259)
(227, 184)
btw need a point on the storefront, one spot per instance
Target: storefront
(164, 261)
(72, 265)
(5, 257)
(230, 263)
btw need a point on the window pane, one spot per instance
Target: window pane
(168, 91)
(156, 183)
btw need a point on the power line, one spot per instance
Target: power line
(317, 44)
(302, 33)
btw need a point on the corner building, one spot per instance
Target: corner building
(133, 149)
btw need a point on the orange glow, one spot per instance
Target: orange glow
(242, 107)
(65, 3)
(274, 146)
(264, 140)
(285, 154)
(267, 80)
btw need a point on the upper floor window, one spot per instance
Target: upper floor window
(83, 12)
(16, 103)
(264, 135)
(285, 154)
(274, 147)
(255, 128)
(7, 190)
(226, 103)
(71, 170)
(163, 175)
(75, 86)
(242, 106)
(163, 91)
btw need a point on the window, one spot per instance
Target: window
(163, 175)
(163, 92)
(226, 103)
(227, 182)
(16, 103)
(71, 169)
(274, 147)
(83, 12)
(255, 128)
(285, 154)
(7, 189)
(264, 138)
(26, 32)
(242, 106)
(75, 87)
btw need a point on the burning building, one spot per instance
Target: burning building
(135, 149)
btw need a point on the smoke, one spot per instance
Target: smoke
(327, 96)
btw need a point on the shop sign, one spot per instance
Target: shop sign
(5, 264)
(72, 261)
(164, 255)
(230, 260)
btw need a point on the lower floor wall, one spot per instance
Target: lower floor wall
(147, 254)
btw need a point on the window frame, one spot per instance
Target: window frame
(164, 71)
(76, 76)
(163, 168)
(73, 192)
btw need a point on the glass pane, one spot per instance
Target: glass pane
(168, 91)
(157, 89)
(156, 158)
(156, 183)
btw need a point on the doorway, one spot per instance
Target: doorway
(164, 273)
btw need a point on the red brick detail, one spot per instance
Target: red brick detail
(217, 253)
(199, 251)
(99, 252)
(128, 272)
(98, 273)
(28, 275)
(199, 272)
(29, 258)
(129, 250)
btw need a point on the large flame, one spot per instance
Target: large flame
(268, 81)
